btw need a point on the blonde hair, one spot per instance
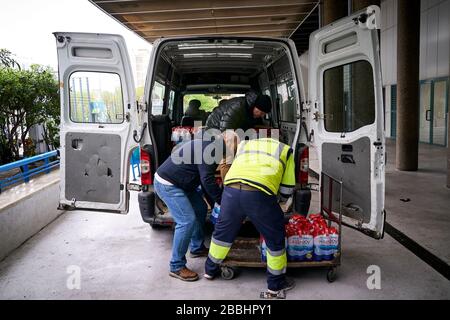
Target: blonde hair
(231, 140)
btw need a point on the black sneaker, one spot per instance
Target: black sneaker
(209, 277)
(279, 294)
(288, 284)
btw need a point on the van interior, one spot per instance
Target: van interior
(214, 70)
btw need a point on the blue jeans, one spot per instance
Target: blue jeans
(188, 209)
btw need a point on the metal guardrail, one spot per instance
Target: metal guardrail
(26, 172)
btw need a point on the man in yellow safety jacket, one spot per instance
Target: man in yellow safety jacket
(262, 169)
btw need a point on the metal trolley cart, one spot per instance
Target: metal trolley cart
(246, 252)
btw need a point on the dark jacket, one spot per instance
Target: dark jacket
(234, 114)
(188, 176)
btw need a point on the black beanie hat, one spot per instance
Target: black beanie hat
(263, 103)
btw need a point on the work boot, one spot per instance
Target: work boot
(185, 274)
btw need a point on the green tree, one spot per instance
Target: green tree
(7, 60)
(208, 103)
(27, 98)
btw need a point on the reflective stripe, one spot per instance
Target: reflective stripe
(280, 150)
(276, 262)
(286, 190)
(278, 253)
(276, 272)
(216, 261)
(263, 172)
(221, 243)
(218, 252)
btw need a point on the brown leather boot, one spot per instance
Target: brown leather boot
(185, 274)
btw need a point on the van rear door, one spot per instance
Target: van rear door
(98, 115)
(346, 115)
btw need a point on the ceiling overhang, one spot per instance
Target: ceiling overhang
(153, 19)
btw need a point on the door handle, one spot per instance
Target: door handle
(347, 158)
(428, 115)
(135, 134)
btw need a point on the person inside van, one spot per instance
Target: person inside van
(239, 113)
(194, 113)
(177, 184)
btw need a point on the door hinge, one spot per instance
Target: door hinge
(311, 136)
(134, 187)
(321, 116)
(141, 107)
(307, 106)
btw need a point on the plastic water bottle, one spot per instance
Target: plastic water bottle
(215, 213)
(263, 249)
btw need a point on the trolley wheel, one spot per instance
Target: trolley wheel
(331, 274)
(228, 273)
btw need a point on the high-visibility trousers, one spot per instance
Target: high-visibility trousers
(267, 217)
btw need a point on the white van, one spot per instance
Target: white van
(341, 118)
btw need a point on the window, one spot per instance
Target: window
(158, 98)
(287, 99)
(208, 102)
(349, 99)
(95, 97)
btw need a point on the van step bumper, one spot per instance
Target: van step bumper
(147, 205)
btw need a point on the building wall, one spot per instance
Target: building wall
(434, 39)
(139, 64)
(434, 46)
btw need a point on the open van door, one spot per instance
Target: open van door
(98, 115)
(346, 116)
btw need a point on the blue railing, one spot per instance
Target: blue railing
(26, 172)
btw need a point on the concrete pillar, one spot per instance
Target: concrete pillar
(408, 46)
(361, 4)
(448, 141)
(448, 149)
(333, 10)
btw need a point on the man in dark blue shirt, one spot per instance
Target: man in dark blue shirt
(177, 181)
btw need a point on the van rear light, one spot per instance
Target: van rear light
(304, 167)
(146, 173)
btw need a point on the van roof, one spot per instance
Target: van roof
(161, 18)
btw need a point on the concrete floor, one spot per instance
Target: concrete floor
(120, 257)
(426, 217)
